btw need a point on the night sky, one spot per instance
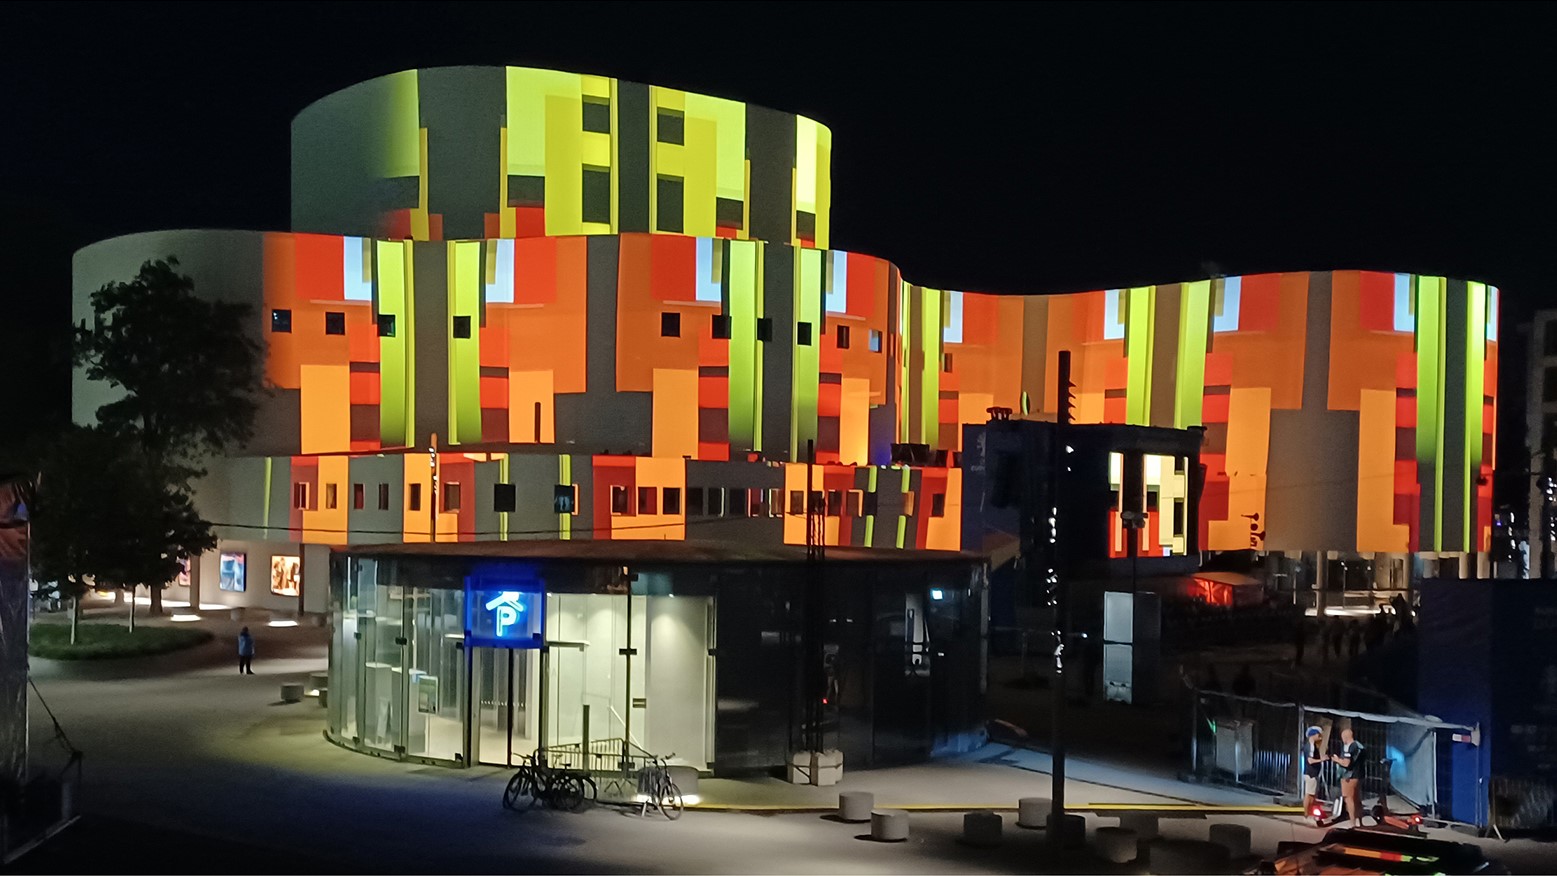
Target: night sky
(1007, 148)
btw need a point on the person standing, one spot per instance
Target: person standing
(1350, 762)
(245, 653)
(1313, 761)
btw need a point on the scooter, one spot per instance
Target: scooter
(1394, 822)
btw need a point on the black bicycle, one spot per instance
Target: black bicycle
(537, 783)
(656, 789)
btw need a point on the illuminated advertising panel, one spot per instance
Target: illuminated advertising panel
(231, 572)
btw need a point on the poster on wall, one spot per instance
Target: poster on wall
(286, 576)
(232, 572)
(427, 694)
(182, 579)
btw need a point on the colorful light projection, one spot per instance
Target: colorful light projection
(466, 153)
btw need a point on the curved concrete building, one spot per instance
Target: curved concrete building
(542, 308)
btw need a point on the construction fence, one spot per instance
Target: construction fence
(1409, 760)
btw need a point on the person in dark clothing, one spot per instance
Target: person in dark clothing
(1337, 637)
(1350, 762)
(1243, 682)
(245, 653)
(1313, 761)
(1354, 642)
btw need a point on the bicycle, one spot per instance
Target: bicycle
(655, 788)
(538, 783)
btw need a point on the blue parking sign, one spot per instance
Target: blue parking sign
(505, 611)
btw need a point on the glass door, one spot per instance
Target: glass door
(587, 679)
(505, 700)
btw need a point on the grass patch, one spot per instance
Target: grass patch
(106, 641)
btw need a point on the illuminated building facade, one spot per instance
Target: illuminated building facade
(529, 306)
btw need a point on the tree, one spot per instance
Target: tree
(107, 517)
(191, 377)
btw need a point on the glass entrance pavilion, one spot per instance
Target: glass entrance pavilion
(460, 654)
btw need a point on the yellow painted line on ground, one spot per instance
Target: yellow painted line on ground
(1207, 808)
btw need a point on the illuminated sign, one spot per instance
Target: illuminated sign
(232, 572)
(505, 610)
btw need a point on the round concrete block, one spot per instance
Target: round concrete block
(1117, 845)
(1232, 837)
(1073, 830)
(982, 828)
(1033, 812)
(855, 806)
(324, 697)
(318, 681)
(236, 614)
(292, 692)
(1181, 857)
(888, 825)
(1143, 823)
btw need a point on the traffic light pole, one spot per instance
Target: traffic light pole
(1058, 604)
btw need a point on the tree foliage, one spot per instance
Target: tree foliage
(108, 516)
(190, 374)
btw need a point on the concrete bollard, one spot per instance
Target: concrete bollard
(1143, 823)
(1033, 812)
(889, 825)
(686, 779)
(1117, 845)
(292, 692)
(236, 614)
(982, 828)
(1073, 830)
(1235, 838)
(324, 698)
(854, 806)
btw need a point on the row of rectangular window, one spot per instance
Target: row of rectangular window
(335, 323)
(700, 501)
(670, 327)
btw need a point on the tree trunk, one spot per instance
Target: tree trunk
(156, 600)
(75, 617)
(132, 608)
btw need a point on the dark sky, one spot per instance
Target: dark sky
(1024, 147)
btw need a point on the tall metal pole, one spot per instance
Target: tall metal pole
(1548, 486)
(1058, 605)
(815, 677)
(432, 500)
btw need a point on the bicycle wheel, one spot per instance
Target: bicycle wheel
(567, 793)
(591, 790)
(670, 801)
(520, 792)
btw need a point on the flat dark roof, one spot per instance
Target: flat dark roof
(628, 551)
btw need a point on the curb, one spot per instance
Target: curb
(1184, 809)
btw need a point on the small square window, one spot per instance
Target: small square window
(1549, 338)
(856, 503)
(1549, 385)
(564, 499)
(671, 127)
(383, 497)
(670, 324)
(669, 204)
(803, 334)
(596, 191)
(694, 501)
(875, 341)
(414, 497)
(721, 326)
(462, 326)
(647, 500)
(908, 503)
(868, 505)
(619, 501)
(334, 322)
(937, 504)
(775, 501)
(329, 497)
(451, 496)
(755, 504)
(281, 321)
(797, 503)
(715, 502)
(946, 362)
(764, 328)
(735, 501)
(597, 116)
(359, 497)
(818, 502)
(505, 498)
(834, 503)
(672, 500)
(386, 325)
(300, 497)
(843, 337)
